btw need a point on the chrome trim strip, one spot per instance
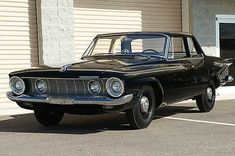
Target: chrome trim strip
(88, 77)
(75, 86)
(57, 84)
(103, 86)
(66, 87)
(32, 85)
(84, 87)
(49, 78)
(49, 86)
(74, 100)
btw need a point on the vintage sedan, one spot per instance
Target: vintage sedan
(133, 72)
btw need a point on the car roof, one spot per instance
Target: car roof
(170, 34)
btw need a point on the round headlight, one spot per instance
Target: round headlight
(17, 85)
(114, 87)
(94, 87)
(40, 86)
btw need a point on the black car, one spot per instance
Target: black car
(133, 72)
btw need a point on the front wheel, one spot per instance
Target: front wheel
(206, 101)
(142, 113)
(48, 118)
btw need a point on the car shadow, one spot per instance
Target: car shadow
(172, 110)
(80, 124)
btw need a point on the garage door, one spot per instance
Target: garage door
(18, 39)
(93, 17)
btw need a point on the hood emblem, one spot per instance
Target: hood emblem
(65, 67)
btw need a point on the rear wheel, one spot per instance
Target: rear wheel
(206, 101)
(142, 113)
(48, 118)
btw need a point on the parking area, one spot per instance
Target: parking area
(178, 129)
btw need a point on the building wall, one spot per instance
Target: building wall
(18, 40)
(56, 32)
(203, 26)
(203, 20)
(92, 17)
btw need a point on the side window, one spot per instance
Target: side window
(192, 49)
(178, 48)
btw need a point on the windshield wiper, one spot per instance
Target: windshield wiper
(157, 56)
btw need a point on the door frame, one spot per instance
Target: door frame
(226, 91)
(221, 19)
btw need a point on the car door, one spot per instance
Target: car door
(179, 83)
(197, 59)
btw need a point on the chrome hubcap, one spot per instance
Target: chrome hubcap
(144, 102)
(209, 93)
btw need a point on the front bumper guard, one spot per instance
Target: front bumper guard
(72, 100)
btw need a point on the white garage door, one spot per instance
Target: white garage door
(94, 17)
(18, 39)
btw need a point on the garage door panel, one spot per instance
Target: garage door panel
(18, 39)
(127, 3)
(92, 17)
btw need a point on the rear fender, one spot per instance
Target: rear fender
(223, 70)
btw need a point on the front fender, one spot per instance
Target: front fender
(136, 84)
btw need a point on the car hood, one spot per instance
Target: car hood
(99, 67)
(111, 64)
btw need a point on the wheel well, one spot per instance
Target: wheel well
(158, 91)
(155, 84)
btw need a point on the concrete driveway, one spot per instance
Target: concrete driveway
(178, 129)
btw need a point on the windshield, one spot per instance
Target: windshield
(118, 45)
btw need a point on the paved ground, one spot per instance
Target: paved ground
(177, 130)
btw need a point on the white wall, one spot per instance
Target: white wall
(56, 32)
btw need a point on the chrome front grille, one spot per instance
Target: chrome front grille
(66, 86)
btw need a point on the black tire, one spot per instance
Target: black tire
(206, 102)
(48, 118)
(137, 117)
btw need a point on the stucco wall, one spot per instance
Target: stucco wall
(56, 32)
(203, 19)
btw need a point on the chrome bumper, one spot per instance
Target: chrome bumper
(226, 80)
(72, 100)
